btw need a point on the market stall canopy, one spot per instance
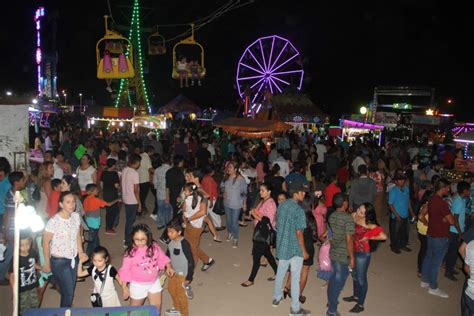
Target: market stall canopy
(180, 104)
(109, 112)
(294, 106)
(252, 127)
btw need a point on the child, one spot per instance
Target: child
(320, 212)
(282, 197)
(27, 279)
(195, 72)
(182, 69)
(53, 198)
(179, 251)
(101, 271)
(92, 205)
(194, 212)
(141, 266)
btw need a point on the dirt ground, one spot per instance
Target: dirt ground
(394, 288)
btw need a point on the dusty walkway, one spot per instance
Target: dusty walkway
(393, 285)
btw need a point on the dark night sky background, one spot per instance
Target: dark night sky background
(347, 47)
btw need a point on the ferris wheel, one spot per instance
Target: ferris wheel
(269, 64)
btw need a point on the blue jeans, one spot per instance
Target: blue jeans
(93, 242)
(130, 216)
(232, 217)
(337, 280)
(164, 213)
(65, 277)
(359, 276)
(437, 248)
(295, 264)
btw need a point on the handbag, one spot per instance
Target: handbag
(96, 298)
(219, 206)
(264, 232)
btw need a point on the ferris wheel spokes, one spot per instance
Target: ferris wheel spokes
(287, 61)
(263, 56)
(254, 69)
(271, 52)
(256, 60)
(281, 52)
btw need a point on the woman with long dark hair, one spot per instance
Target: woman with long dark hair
(235, 195)
(62, 246)
(367, 233)
(264, 212)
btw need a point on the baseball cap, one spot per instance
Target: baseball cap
(399, 177)
(297, 186)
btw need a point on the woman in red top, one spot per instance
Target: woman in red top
(209, 185)
(367, 230)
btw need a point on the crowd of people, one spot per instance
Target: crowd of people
(306, 196)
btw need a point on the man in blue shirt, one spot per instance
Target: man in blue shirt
(456, 231)
(290, 248)
(400, 209)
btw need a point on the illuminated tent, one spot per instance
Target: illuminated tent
(180, 104)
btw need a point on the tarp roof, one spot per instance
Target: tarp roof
(234, 124)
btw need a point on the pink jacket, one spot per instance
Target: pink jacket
(268, 209)
(141, 268)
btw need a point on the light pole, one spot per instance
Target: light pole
(80, 100)
(25, 218)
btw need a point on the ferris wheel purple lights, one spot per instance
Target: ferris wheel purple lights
(269, 64)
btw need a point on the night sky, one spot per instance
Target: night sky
(347, 48)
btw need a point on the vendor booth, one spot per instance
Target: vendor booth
(353, 129)
(252, 128)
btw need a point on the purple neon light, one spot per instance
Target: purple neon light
(468, 141)
(271, 52)
(254, 69)
(278, 57)
(281, 80)
(269, 66)
(263, 56)
(39, 13)
(283, 64)
(271, 79)
(362, 125)
(256, 60)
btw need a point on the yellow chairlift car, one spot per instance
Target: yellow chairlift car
(116, 60)
(156, 44)
(182, 66)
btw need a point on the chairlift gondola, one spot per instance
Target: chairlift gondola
(116, 60)
(156, 44)
(190, 41)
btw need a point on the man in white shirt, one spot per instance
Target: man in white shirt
(321, 150)
(212, 150)
(358, 161)
(144, 176)
(283, 164)
(131, 195)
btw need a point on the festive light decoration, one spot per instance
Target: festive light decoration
(138, 82)
(259, 70)
(38, 54)
(362, 125)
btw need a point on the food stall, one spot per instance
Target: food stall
(353, 129)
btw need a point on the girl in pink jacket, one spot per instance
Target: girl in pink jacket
(141, 267)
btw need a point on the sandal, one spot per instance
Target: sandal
(246, 284)
(271, 278)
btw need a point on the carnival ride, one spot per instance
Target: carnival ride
(268, 65)
(121, 58)
(189, 41)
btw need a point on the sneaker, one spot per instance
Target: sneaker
(302, 311)
(450, 276)
(154, 217)
(111, 232)
(206, 266)
(173, 311)
(332, 314)
(229, 238)
(406, 249)
(356, 309)
(235, 243)
(188, 291)
(217, 239)
(438, 292)
(424, 284)
(276, 302)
